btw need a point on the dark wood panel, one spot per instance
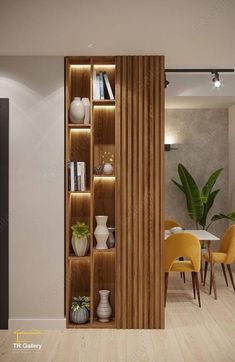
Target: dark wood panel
(139, 188)
(4, 213)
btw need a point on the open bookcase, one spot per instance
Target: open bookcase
(86, 275)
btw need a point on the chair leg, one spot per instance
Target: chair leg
(201, 272)
(166, 285)
(193, 283)
(182, 274)
(205, 273)
(225, 276)
(210, 282)
(197, 288)
(231, 276)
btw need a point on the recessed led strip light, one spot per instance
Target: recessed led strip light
(80, 66)
(104, 106)
(108, 66)
(111, 178)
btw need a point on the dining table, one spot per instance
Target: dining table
(205, 238)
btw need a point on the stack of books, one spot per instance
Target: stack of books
(101, 86)
(77, 176)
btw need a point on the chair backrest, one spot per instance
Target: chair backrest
(171, 224)
(182, 244)
(227, 244)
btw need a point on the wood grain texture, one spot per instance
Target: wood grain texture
(139, 191)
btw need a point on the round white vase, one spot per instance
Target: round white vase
(86, 103)
(108, 169)
(77, 111)
(80, 246)
(101, 232)
(104, 310)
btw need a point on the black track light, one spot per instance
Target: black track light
(216, 80)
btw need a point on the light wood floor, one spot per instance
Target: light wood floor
(191, 334)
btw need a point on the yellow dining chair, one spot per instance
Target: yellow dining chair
(224, 256)
(169, 224)
(188, 246)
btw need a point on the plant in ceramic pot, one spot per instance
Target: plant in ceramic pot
(80, 308)
(80, 242)
(107, 161)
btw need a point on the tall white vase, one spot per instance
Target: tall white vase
(86, 103)
(101, 232)
(104, 310)
(77, 111)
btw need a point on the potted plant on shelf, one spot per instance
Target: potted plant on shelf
(199, 202)
(80, 308)
(80, 242)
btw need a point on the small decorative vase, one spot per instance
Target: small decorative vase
(101, 232)
(104, 310)
(80, 246)
(98, 169)
(108, 169)
(86, 104)
(79, 316)
(77, 111)
(111, 239)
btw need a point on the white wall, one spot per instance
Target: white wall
(231, 135)
(34, 86)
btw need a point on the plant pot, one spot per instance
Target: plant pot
(111, 239)
(77, 111)
(104, 310)
(79, 316)
(80, 246)
(101, 232)
(108, 169)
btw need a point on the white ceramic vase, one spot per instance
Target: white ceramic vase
(80, 246)
(111, 239)
(108, 169)
(104, 310)
(86, 103)
(77, 111)
(101, 232)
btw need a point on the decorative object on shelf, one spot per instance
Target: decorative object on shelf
(80, 243)
(104, 310)
(86, 103)
(77, 111)
(111, 239)
(101, 232)
(98, 169)
(79, 312)
(108, 169)
(77, 176)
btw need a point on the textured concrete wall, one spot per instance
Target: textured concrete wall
(202, 140)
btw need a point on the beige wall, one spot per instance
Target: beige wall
(202, 140)
(232, 158)
(35, 88)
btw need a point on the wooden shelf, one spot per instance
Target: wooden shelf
(97, 324)
(77, 258)
(74, 325)
(105, 251)
(79, 192)
(104, 176)
(103, 102)
(77, 126)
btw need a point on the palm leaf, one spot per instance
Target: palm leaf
(209, 185)
(192, 193)
(207, 206)
(179, 186)
(230, 216)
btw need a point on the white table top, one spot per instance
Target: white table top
(200, 234)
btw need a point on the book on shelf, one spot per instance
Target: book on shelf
(101, 86)
(77, 176)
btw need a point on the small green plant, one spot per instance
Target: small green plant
(80, 303)
(80, 230)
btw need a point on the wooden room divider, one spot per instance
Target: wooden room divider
(129, 129)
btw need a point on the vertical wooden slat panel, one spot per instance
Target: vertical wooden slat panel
(139, 191)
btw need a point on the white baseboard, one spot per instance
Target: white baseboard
(37, 324)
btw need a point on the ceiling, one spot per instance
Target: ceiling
(173, 102)
(189, 33)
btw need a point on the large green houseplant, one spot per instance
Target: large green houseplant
(199, 202)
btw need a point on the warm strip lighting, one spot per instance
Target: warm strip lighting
(108, 66)
(80, 193)
(106, 107)
(81, 130)
(111, 178)
(79, 66)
